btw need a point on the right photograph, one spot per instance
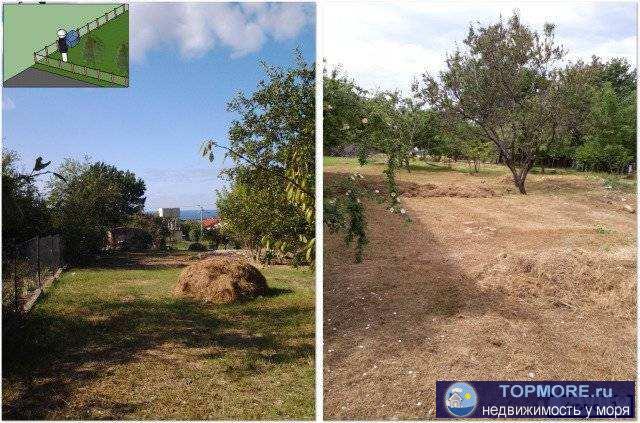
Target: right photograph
(479, 200)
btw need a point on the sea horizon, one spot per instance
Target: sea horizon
(191, 214)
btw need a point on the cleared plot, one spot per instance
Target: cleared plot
(500, 286)
(111, 342)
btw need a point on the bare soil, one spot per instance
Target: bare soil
(483, 284)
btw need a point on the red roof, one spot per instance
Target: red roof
(211, 222)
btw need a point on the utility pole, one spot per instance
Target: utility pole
(201, 227)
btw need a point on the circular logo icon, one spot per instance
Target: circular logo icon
(460, 399)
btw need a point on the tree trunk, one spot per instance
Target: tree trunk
(521, 187)
(519, 177)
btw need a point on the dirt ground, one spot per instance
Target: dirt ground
(483, 284)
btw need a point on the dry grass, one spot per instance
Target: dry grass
(501, 286)
(221, 280)
(113, 343)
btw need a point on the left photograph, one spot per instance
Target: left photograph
(158, 240)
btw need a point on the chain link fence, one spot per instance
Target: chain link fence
(30, 267)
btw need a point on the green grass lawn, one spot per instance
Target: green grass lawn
(113, 343)
(112, 35)
(68, 74)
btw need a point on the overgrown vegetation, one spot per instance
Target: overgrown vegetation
(24, 210)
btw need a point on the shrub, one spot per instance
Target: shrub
(194, 234)
(196, 246)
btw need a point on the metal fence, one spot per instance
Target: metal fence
(30, 267)
(43, 55)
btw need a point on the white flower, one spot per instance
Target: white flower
(358, 200)
(403, 211)
(393, 194)
(391, 209)
(365, 120)
(377, 191)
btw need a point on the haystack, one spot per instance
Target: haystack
(221, 280)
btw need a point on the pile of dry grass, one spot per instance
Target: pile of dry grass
(574, 278)
(432, 190)
(221, 280)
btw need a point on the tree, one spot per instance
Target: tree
(122, 57)
(93, 48)
(477, 151)
(153, 225)
(274, 137)
(24, 211)
(505, 83)
(343, 105)
(610, 131)
(95, 198)
(258, 215)
(385, 122)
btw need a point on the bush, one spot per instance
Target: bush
(194, 234)
(196, 246)
(139, 240)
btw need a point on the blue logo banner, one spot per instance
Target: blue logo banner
(535, 399)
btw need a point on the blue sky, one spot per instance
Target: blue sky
(415, 36)
(187, 62)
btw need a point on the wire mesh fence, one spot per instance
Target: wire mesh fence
(30, 267)
(43, 56)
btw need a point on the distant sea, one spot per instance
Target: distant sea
(195, 214)
(190, 214)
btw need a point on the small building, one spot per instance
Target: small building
(211, 223)
(169, 212)
(171, 216)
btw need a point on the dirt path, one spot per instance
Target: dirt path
(502, 287)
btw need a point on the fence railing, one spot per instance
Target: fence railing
(43, 55)
(28, 269)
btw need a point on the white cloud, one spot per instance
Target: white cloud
(197, 28)
(7, 103)
(385, 45)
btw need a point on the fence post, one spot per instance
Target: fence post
(38, 261)
(15, 280)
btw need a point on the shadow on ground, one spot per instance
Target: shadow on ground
(418, 309)
(52, 356)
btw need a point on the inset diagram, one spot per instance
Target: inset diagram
(66, 45)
